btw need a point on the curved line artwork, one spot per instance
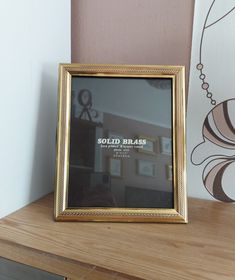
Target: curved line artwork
(217, 128)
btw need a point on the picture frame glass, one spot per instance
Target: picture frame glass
(112, 152)
(149, 146)
(107, 117)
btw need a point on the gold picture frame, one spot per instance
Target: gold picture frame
(145, 168)
(81, 143)
(166, 146)
(115, 167)
(169, 172)
(151, 147)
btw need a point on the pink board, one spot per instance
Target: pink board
(132, 31)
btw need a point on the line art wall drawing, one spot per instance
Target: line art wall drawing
(211, 125)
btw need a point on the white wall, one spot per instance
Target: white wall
(34, 38)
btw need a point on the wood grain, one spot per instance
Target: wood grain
(203, 249)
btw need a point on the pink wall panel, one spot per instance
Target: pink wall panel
(132, 31)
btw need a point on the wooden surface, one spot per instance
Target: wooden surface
(202, 249)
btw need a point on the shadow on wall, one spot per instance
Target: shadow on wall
(43, 162)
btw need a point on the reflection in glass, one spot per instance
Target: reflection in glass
(120, 143)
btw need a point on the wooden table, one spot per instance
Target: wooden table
(202, 249)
